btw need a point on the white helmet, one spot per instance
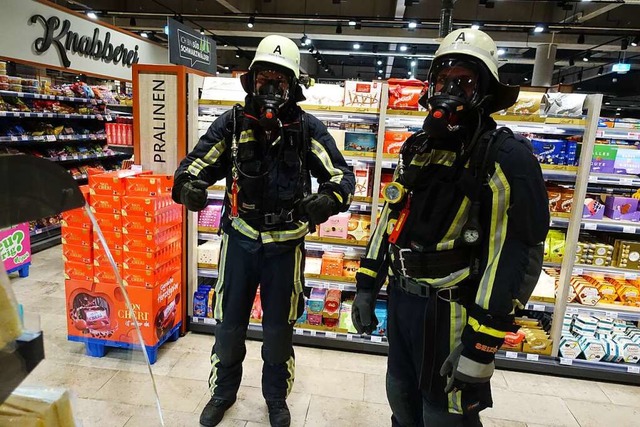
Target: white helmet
(279, 50)
(477, 44)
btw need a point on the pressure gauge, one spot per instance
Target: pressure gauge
(393, 192)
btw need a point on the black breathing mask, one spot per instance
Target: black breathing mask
(269, 89)
(456, 88)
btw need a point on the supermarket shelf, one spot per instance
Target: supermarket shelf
(359, 156)
(81, 177)
(560, 173)
(84, 157)
(572, 368)
(45, 230)
(605, 224)
(528, 119)
(627, 134)
(45, 238)
(579, 269)
(339, 109)
(614, 179)
(48, 97)
(203, 229)
(310, 337)
(43, 139)
(338, 286)
(404, 113)
(46, 115)
(607, 310)
(124, 147)
(335, 241)
(546, 307)
(207, 236)
(329, 279)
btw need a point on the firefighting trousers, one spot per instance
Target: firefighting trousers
(281, 282)
(415, 389)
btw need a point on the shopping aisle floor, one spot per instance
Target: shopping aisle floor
(332, 388)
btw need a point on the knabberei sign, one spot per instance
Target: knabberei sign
(58, 33)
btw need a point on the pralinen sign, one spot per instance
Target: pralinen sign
(58, 33)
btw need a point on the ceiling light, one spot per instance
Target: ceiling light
(238, 53)
(614, 80)
(607, 103)
(526, 79)
(303, 40)
(413, 25)
(339, 28)
(352, 23)
(380, 71)
(326, 69)
(217, 73)
(403, 48)
(581, 39)
(166, 29)
(252, 21)
(226, 67)
(617, 114)
(92, 15)
(379, 62)
(635, 41)
(356, 45)
(475, 26)
(202, 31)
(624, 44)
(225, 44)
(144, 34)
(538, 28)
(410, 73)
(600, 71)
(501, 52)
(132, 22)
(379, 78)
(413, 63)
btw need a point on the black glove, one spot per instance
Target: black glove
(471, 378)
(193, 195)
(363, 312)
(318, 207)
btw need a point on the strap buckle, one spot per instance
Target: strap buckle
(450, 294)
(278, 218)
(403, 268)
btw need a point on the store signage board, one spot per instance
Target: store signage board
(158, 100)
(621, 68)
(190, 48)
(37, 32)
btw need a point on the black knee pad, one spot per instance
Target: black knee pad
(277, 344)
(229, 345)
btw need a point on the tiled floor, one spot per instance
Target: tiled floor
(332, 388)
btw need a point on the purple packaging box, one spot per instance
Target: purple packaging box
(592, 209)
(621, 208)
(604, 157)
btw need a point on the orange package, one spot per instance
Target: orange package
(145, 206)
(78, 271)
(149, 225)
(111, 183)
(148, 185)
(77, 253)
(100, 256)
(109, 223)
(332, 264)
(76, 236)
(393, 140)
(76, 218)
(152, 260)
(404, 94)
(115, 240)
(150, 242)
(103, 268)
(151, 278)
(109, 205)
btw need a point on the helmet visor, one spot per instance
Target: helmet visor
(272, 83)
(456, 77)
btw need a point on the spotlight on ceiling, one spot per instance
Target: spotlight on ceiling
(636, 41)
(413, 63)
(587, 56)
(403, 48)
(410, 73)
(352, 23)
(166, 29)
(252, 21)
(238, 53)
(501, 52)
(356, 46)
(202, 31)
(144, 34)
(92, 15)
(538, 29)
(379, 62)
(413, 25)
(475, 26)
(380, 71)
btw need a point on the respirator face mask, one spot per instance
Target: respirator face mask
(271, 92)
(456, 86)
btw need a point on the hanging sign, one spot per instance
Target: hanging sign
(190, 48)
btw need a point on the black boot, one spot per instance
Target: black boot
(213, 413)
(279, 415)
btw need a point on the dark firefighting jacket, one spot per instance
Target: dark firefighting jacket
(274, 173)
(514, 220)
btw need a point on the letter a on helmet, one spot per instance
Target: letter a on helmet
(278, 50)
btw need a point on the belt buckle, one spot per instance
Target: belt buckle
(403, 268)
(288, 217)
(269, 219)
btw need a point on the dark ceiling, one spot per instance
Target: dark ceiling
(598, 28)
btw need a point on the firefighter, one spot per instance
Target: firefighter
(267, 152)
(460, 240)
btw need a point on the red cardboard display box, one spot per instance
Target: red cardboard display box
(76, 218)
(393, 140)
(98, 310)
(404, 94)
(76, 236)
(109, 223)
(111, 183)
(77, 253)
(148, 185)
(150, 242)
(78, 271)
(145, 206)
(146, 278)
(149, 225)
(108, 205)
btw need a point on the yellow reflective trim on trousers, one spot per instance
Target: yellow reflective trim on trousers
(246, 136)
(497, 234)
(322, 155)
(291, 369)
(456, 322)
(297, 284)
(219, 289)
(448, 281)
(285, 235)
(367, 271)
(208, 159)
(485, 329)
(373, 249)
(240, 225)
(213, 376)
(442, 157)
(456, 226)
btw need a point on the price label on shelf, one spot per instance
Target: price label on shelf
(572, 310)
(626, 181)
(630, 276)
(314, 333)
(599, 133)
(349, 337)
(533, 357)
(375, 338)
(108, 117)
(14, 138)
(331, 335)
(299, 331)
(633, 369)
(51, 137)
(590, 226)
(67, 116)
(611, 314)
(63, 158)
(565, 361)
(341, 287)
(630, 229)
(539, 307)
(512, 355)
(577, 271)
(38, 138)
